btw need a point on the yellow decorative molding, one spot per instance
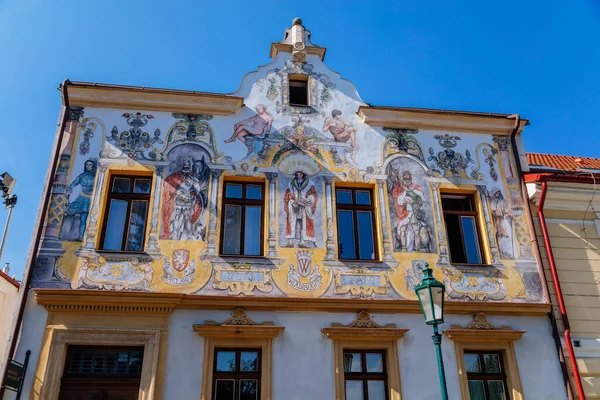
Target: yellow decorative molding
(78, 301)
(130, 97)
(481, 330)
(67, 300)
(238, 326)
(363, 328)
(452, 121)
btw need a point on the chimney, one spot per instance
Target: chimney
(6, 268)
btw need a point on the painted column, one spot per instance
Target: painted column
(58, 199)
(89, 240)
(385, 235)
(330, 243)
(152, 245)
(488, 224)
(211, 246)
(272, 238)
(439, 224)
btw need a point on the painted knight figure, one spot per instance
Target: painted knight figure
(185, 200)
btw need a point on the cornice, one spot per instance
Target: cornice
(287, 48)
(480, 330)
(440, 120)
(565, 196)
(239, 326)
(363, 328)
(141, 98)
(69, 300)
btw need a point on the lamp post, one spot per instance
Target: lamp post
(431, 298)
(7, 183)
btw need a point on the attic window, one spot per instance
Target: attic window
(299, 90)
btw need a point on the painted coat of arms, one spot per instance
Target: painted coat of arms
(305, 276)
(181, 270)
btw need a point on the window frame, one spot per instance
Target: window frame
(130, 198)
(485, 377)
(304, 80)
(237, 375)
(365, 376)
(355, 208)
(243, 202)
(478, 228)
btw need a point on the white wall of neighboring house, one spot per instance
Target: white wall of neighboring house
(8, 300)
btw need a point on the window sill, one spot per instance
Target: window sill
(259, 261)
(114, 255)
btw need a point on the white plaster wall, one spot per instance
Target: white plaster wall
(8, 299)
(31, 335)
(303, 356)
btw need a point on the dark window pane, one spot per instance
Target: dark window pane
(253, 192)
(363, 197)
(376, 390)
(249, 361)
(233, 191)
(472, 363)
(252, 232)
(115, 226)
(232, 229)
(346, 234)
(469, 228)
(137, 222)
(354, 390)
(457, 203)
(298, 92)
(121, 185)
(344, 196)
(492, 363)
(142, 186)
(226, 361)
(352, 362)
(365, 235)
(476, 390)
(457, 254)
(248, 389)
(224, 389)
(374, 362)
(496, 389)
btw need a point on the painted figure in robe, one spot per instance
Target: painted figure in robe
(411, 226)
(501, 215)
(80, 207)
(340, 129)
(300, 204)
(184, 202)
(259, 124)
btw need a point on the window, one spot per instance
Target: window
(242, 219)
(365, 375)
(462, 228)
(102, 372)
(299, 90)
(125, 218)
(486, 375)
(236, 374)
(356, 224)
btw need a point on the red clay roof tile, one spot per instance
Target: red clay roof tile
(566, 163)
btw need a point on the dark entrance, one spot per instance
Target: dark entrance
(102, 373)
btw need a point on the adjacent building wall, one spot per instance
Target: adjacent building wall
(576, 246)
(9, 290)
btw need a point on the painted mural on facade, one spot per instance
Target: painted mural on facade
(301, 153)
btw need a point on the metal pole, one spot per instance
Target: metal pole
(437, 341)
(5, 231)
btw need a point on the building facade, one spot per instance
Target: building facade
(562, 196)
(266, 245)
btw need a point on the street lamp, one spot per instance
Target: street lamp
(431, 298)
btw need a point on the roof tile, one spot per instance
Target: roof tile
(566, 163)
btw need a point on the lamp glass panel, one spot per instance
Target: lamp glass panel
(437, 297)
(425, 297)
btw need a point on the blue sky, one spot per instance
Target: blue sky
(536, 58)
